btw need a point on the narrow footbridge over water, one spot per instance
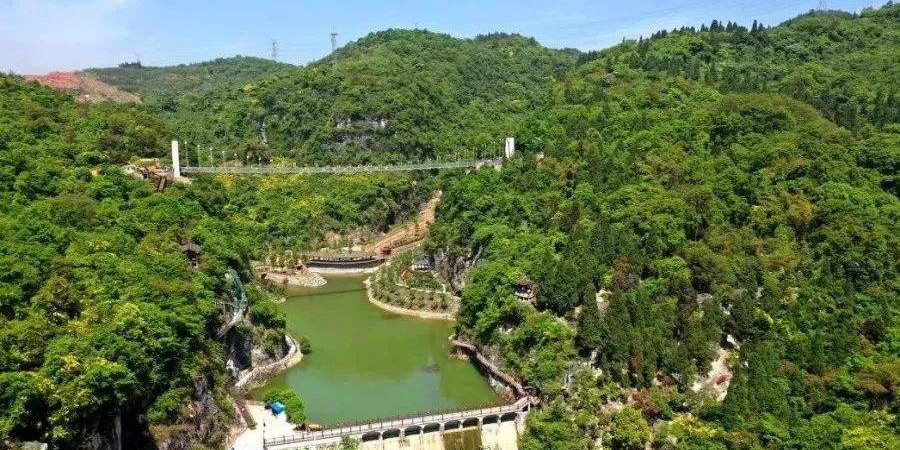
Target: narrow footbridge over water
(406, 426)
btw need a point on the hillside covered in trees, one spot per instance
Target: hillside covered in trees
(188, 78)
(107, 334)
(392, 95)
(844, 65)
(677, 217)
(703, 198)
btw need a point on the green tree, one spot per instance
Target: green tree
(629, 430)
(293, 405)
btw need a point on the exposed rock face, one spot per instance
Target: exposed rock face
(238, 349)
(454, 268)
(243, 353)
(109, 438)
(203, 422)
(260, 357)
(716, 381)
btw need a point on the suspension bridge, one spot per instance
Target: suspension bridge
(179, 171)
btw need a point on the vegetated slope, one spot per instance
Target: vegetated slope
(102, 320)
(188, 78)
(393, 95)
(297, 213)
(85, 88)
(844, 64)
(700, 216)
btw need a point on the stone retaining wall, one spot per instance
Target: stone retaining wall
(258, 374)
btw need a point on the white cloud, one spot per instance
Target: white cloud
(41, 35)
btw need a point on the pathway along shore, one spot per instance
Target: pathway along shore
(431, 315)
(257, 374)
(241, 436)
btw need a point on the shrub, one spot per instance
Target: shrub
(304, 345)
(166, 407)
(629, 430)
(267, 314)
(292, 403)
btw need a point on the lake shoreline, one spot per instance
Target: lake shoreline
(357, 353)
(311, 280)
(257, 376)
(240, 431)
(428, 315)
(342, 271)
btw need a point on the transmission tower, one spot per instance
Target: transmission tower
(823, 5)
(274, 50)
(334, 51)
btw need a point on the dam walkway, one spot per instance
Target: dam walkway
(405, 426)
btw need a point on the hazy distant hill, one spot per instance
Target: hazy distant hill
(189, 78)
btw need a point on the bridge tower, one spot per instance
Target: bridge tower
(509, 148)
(176, 161)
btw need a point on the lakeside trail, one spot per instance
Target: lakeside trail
(430, 315)
(243, 437)
(267, 425)
(293, 357)
(408, 236)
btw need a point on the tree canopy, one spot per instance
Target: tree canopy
(667, 210)
(715, 197)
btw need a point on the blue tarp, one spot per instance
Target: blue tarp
(277, 407)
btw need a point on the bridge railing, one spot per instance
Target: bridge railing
(339, 169)
(400, 422)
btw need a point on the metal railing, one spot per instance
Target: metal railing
(273, 170)
(400, 422)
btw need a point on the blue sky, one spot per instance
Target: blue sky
(37, 36)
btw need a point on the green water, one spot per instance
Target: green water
(368, 363)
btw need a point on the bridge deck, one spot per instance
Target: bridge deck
(396, 424)
(268, 170)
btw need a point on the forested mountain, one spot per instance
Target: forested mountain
(101, 318)
(710, 219)
(103, 322)
(393, 95)
(675, 220)
(188, 78)
(843, 64)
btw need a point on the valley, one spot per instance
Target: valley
(686, 240)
